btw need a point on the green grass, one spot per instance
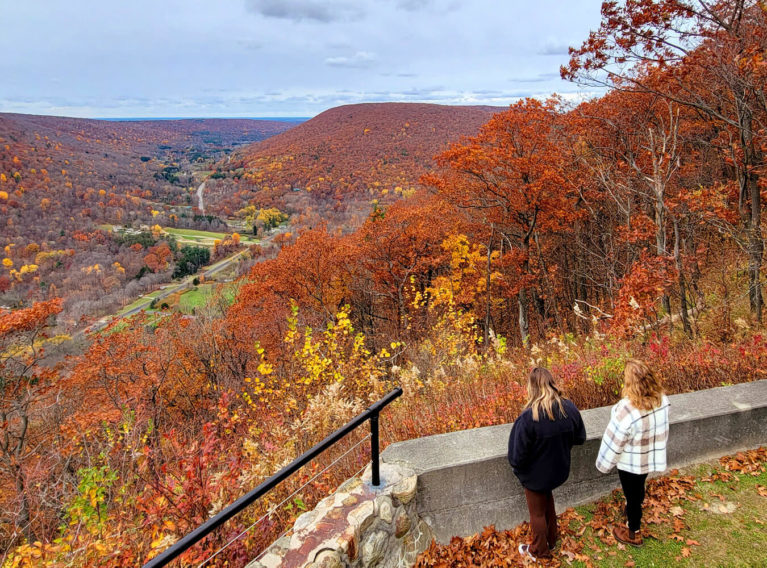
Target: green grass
(204, 238)
(193, 233)
(199, 296)
(195, 237)
(195, 299)
(711, 536)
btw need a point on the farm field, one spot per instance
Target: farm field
(199, 296)
(204, 238)
(192, 236)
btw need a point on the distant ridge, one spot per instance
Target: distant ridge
(361, 149)
(143, 134)
(161, 118)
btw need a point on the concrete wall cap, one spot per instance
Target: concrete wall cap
(480, 444)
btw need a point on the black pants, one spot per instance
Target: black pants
(633, 489)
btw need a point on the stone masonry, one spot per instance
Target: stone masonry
(357, 526)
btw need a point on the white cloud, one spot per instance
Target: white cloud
(297, 10)
(359, 60)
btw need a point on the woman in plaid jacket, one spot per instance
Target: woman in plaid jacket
(635, 442)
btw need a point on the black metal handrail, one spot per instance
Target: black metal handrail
(211, 524)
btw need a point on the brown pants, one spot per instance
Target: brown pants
(543, 522)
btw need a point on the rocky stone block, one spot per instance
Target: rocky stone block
(328, 559)
(384, 508)
(402, 524)
(362, 517)
(374, 548)
(404, 490)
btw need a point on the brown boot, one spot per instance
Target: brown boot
(626, 536)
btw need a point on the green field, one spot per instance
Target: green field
(194, 237)
(199, 296)
(204, 238)
(193, 234)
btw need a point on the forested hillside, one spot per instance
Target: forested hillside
(331, 167)
(574, 237)
(61, 178)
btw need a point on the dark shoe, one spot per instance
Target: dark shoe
(626, 536)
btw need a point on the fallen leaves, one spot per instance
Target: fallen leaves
(678, 525)
(724, 476)
(751, 462)
(589, 541)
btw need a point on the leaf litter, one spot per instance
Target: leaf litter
(662, 506)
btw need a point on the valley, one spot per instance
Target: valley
(86, 177)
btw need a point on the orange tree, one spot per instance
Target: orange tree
(24, 383)
(512, 179)
(710, 56)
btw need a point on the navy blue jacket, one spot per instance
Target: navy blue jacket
(539, 452)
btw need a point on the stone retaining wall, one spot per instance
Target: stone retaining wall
(456, 484)
(358, 526)
(465, 482)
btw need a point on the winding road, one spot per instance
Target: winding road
(200, 204)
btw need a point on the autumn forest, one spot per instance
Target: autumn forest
(443, 249)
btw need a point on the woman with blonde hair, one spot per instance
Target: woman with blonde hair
(539, 453)
(635, 442)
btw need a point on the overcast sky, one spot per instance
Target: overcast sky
(228, 58)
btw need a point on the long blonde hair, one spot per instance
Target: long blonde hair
(641, 385)
(542, 394)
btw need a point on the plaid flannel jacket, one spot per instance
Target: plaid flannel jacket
(635, 440)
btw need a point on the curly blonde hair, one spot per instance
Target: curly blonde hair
(542, 395)
(641, 385)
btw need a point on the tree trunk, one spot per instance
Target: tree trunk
(522, 299)
(487, 291)
(682, 287)
(24, 513)
(549, 288)
(581, 290)
(755, 247)
(524, 323)
(660, 238)
(749, 188)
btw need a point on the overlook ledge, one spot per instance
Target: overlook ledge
(465, 482)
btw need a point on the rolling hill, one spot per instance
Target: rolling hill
(352, 153)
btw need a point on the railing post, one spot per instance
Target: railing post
(374, 450)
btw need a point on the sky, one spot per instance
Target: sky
(259, 58)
